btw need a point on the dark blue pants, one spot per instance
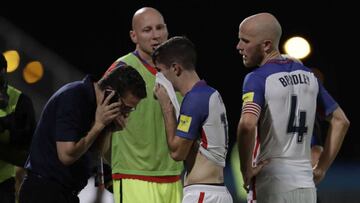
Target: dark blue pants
(7, 191)
(36, 189)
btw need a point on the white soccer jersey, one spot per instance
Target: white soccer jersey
(287, 94)
(203, 113)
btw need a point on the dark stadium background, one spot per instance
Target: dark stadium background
(91, 37)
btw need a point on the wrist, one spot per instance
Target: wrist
(98, 127)
(167, 108)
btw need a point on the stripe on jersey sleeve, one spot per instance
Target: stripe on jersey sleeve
(251, 107)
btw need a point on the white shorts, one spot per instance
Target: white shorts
(300, 195)
(202, 193)
(251, 198)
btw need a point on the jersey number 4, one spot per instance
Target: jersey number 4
(301, 129)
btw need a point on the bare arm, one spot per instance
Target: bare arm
(178, 146)
(339, 125)
(69, 152)
(246, 139)
(246, 134)
(316, 151)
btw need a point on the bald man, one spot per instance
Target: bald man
(279, 100)
(142, 168)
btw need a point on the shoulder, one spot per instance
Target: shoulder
(74, 92)
(198, 98)
(255, 78)
(201, 91)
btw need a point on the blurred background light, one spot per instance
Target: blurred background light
(33, 72)
(13, 59)
(297, 47)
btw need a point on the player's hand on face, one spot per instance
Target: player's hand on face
(106, 112)
(163, 98)
(161, 93)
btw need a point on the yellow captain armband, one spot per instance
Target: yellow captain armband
(248, 97)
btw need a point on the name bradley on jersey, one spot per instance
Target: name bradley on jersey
(294, 79)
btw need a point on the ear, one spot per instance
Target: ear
(267, 46)
(133, 36)
(177, 69)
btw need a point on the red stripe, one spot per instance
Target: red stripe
(157, 179)
(256, 113)
(204, 142)
(116, 64)
(111, 67)
(201, 198)
(254, 190)
(150, 68)
(252, 106)
(257, 145)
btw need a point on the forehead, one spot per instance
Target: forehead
(149, 19)
(247, 31)
(129, 97)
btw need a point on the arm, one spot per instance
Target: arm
(69, 152)
(316, 151)
(246, 140)
(339, 125)
(316, 142)
(179, 147)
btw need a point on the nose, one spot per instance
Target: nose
(156, 33)
(239, 47)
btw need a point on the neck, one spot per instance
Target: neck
(272, 55)
(188, 80)
(146, 57)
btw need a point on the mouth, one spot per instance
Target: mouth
(154, 46)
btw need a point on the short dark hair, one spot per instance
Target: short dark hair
(3, 62)
(177, 49)
(124, 79)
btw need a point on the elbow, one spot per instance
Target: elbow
(65, 160)
(245, 128)
(342, 121)
(346, 123)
